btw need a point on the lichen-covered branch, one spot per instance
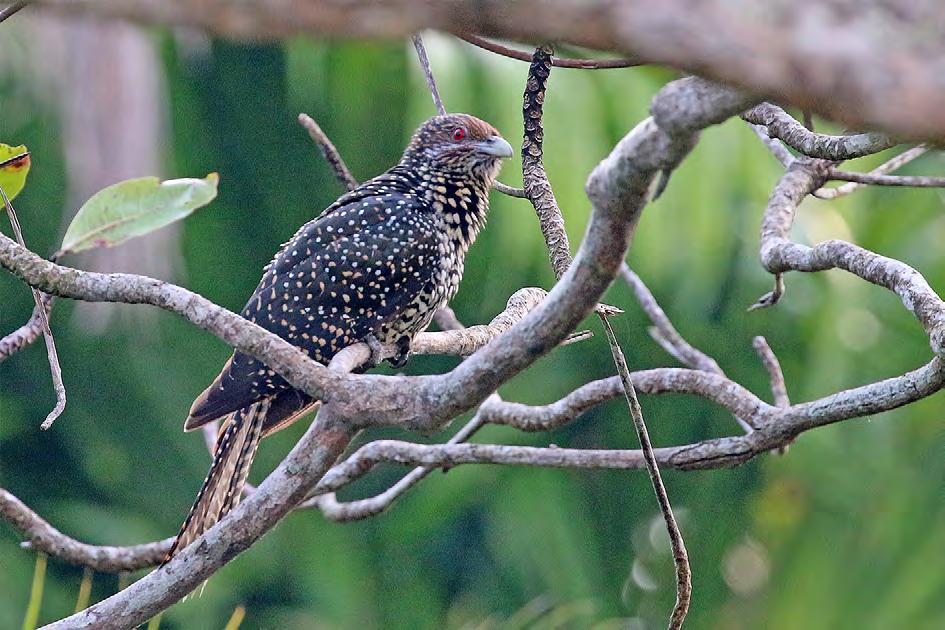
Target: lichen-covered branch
(618, 190)
(779, 254)
(783, 126)
(778, 427)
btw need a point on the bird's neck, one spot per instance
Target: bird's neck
(460, 201)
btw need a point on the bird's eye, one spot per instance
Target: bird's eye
(459, 134)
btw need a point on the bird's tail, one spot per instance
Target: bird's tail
(223, 486)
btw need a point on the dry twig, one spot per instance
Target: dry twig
(329, 152)
(558, 62)
(428, 73)
(41, 312)
(886, 167)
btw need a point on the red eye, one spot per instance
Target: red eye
(459, 134)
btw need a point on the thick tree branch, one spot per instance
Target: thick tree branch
(857, 80)
(618, 190)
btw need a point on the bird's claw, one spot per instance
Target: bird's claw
(403, 353)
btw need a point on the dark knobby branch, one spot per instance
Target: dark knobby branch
(783, 126)
(540, 193)
(537, 187)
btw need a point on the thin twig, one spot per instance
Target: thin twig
(778, 386)
(918, 181)
(12, 9)
(511, 191)
(428, 73)
(663, 331)
(558, 62)
(53, 356)
(888, 166)
(335, 510)
(540, 193)
(770, 360)
(680, 556)
(28, 332)
(808, 120)
(438, 102)
(334, 159)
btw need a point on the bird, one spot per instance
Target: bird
(373, 267)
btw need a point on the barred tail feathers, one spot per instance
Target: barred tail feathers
(223, 486)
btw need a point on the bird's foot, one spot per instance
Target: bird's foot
(403, 353)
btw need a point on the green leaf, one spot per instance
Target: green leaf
(135, 207)
(14, 165)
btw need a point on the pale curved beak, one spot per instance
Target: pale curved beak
(495, 145)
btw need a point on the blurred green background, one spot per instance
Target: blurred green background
(845, 531)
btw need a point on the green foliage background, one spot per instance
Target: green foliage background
(845, 531)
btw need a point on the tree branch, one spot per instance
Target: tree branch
(919, 181)
(783, 126)
(329, 152)
(779, 254)
(28, 332)
(886, 167)
(558, 62)
(857, 80)
(41, 536)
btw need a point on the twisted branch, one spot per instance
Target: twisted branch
(783, 126)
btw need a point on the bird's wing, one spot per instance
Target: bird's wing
(334, 283)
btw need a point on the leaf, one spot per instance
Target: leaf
(135, 207)
(14, 165)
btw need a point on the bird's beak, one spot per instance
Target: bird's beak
(495, 145)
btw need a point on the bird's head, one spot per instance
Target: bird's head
(459, 145)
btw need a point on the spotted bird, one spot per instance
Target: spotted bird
(374, 267)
